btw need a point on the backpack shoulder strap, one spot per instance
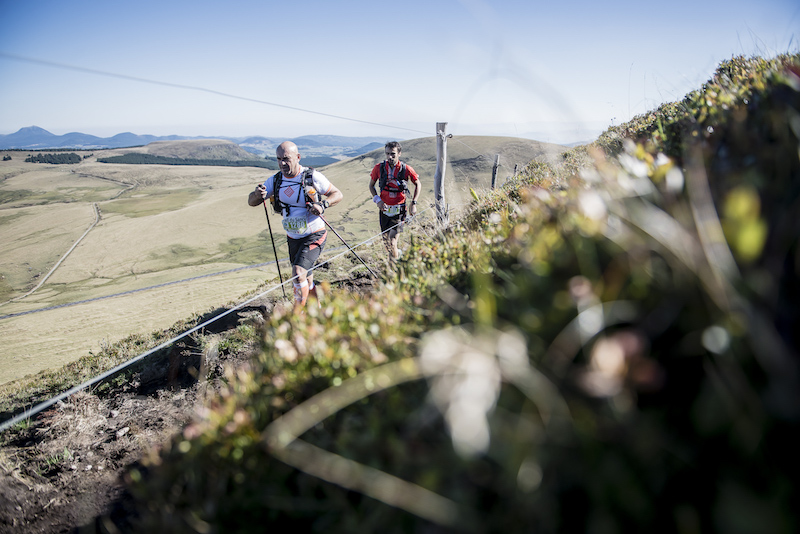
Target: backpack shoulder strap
(384, 175)
(308, 181)
(277, 205)
(401, 176)
(308, 176)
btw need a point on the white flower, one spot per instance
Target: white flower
(592, 205)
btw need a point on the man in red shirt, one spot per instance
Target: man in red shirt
(392, 176)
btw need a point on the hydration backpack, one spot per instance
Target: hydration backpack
(306, 182)
(401, 179)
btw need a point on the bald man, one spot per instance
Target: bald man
(305, 230)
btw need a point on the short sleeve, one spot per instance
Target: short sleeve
(269, 185)
(412, 174)
(321, 182)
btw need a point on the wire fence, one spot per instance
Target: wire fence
(44, 405)
(27, 414)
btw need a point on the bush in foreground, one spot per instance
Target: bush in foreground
(612, 354)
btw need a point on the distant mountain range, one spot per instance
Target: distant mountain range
(35, 138)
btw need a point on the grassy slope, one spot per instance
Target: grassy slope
(166, 223)
(198, 210)
(174, 224)
(678, 416)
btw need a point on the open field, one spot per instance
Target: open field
(161, 224)
(56, 337)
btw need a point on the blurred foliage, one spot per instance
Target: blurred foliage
(606, 347)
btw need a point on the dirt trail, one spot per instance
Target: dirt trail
(64, 257)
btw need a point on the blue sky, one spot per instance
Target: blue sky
(529, 68)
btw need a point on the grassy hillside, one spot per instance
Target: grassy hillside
(165, 223)
(191, 149)
(605, 345)
(158, 224)
(205, 152)
(612, 351)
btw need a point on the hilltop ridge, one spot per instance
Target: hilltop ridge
(36, 138)
(202, 149)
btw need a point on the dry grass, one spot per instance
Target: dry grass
(162, 224)
(34, 238)
(53, 338)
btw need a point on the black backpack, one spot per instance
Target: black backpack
(401, 179)
(307, 180)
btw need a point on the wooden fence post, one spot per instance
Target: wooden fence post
(438, 177)
(494, 169)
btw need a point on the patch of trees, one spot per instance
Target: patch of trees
(150, 159)
(6, 158)
(58, 159)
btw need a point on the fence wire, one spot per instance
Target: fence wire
(27, 414)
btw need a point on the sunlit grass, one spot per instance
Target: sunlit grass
(151, 202)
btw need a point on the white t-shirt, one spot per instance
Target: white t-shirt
(297, 220)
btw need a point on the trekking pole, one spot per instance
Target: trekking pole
(274, 250)
(348, 246)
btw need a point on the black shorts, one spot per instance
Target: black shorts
(389, 222)
(305, 251)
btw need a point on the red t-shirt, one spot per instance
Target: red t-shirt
(391, 198)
